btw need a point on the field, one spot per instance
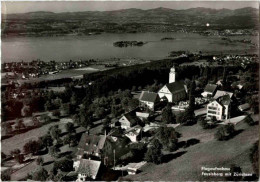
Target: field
(185, 164)
(19, 140)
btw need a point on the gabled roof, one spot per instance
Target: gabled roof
(175, 86)
(225, 100)
(92, 143)
(133, 119)
(220, 93)
(89, 167)
(148, 96)
(210, 88)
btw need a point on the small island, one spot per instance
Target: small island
(128, 43)
(167, 38)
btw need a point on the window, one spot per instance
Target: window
(213, 108)
(212, 112)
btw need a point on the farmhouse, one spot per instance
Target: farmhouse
(174, 91)
(91, 145)
(209, 90)
(149, 99)
(86, 168)
(221, 93)
(129, 120)
(134, 133)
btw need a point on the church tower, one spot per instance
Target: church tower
(172, 75)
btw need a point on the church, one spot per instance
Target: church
(174, 91)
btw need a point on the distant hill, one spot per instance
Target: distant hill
(131, 20)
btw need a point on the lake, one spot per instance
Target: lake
(101, 46)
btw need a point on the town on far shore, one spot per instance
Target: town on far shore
(132, 122)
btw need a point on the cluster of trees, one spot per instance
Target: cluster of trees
(225, 132)
(168, 137)
(208, 124)
(154, 152)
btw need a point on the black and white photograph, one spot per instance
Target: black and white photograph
(129, 90)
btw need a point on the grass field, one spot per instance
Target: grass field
(185, 164)
(19, 140)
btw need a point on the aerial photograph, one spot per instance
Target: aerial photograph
(130, 91)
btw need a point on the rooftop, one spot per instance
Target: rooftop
(148, 96)
(89, 167)
(175, 86)
(220, 93)
(210, 88)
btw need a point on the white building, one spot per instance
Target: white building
(133, 133)
(219, 108)
(172, 75)
(174, 91)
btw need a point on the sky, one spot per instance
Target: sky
(74, 6)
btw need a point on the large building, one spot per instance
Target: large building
(174, 91)
(219, 108)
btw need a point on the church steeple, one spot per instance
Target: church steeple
(172, 75)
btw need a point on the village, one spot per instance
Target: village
(116, 137)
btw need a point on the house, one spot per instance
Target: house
(133, 133)
(174, 91)
(220, 93)
(149, 99)
(209, 90)
(142, 115)
(219, 108)
(129, 120)
(86, 168)
(91, 145)
(244, 107)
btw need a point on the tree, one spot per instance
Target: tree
(56, 113)
(192, 96)
(15, 152)
(100, 112)
(19, 124)
(64, 165)
(3, 156)
(187, 117)
(31, 147)
(26, 111)
(167, 137)
(40, 175)
(106, 123)
(7, 128)
(48, 106)
(19, 158)
(45, 118)
(6, 175)
(70, 139)
(39, 161)
(46, 140)
(167, 115)
(54, 150)
(55, 132)
(70, 127)
(225, 132)
(35, 121)
(154, 153)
